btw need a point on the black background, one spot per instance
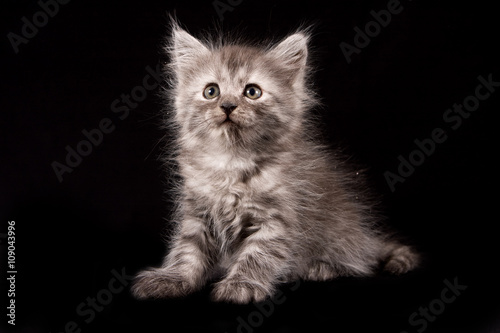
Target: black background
(109, 212)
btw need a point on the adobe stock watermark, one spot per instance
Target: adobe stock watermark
(419, 320)
(11, 270)
(221, 6)
(95, 136)
(87, 310)
(30, 28)
(373, 28)
(453, 117)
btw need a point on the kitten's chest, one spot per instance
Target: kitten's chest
(219, 179)
(226, 186)
(232, 197)
(220, 190)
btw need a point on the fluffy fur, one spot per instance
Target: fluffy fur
(260, 201)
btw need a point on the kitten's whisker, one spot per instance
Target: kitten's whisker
(155, 145)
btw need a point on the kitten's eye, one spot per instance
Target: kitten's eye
(211, 91)
(252, 91)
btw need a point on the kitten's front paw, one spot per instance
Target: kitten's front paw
(157, 283)
(238, 291)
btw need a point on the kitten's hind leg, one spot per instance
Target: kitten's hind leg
(398, 258)
(185, 269)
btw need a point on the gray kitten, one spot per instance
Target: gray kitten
(260, 202)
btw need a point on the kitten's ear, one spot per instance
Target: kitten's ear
(292, 51)
(184, 47)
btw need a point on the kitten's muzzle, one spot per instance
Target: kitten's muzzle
(228, 107)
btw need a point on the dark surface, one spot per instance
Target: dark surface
(108, 213)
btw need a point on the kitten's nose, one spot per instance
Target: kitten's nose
(228, 107)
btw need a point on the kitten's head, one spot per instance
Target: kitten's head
(230, 95)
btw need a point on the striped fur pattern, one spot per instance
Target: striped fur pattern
(260, 201)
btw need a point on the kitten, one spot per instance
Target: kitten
(260, 201)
